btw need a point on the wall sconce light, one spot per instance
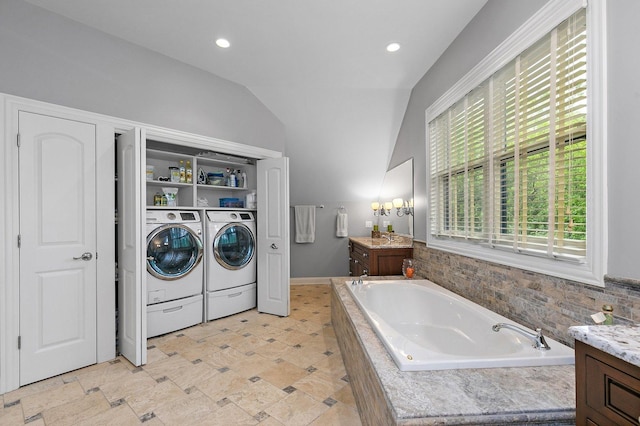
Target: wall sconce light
(403, 207)
(379, 209)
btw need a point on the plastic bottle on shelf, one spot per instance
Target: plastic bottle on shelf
(183, 172)
(189, 172)
(244, 179)
(233, 180)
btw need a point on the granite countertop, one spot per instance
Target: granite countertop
(469, 396)
(621, 341)
(398, 241)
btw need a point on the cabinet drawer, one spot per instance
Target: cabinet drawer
(360, 252)
(613, 393)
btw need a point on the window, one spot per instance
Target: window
(508, 158)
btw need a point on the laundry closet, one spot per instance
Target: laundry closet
(94, 228)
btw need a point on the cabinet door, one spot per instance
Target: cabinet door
(273, 236)
(132, 313)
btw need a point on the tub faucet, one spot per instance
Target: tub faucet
(537, 338)
(361, 277)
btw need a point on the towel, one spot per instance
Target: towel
(305, 217)
(342, 225)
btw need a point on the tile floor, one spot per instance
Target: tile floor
(245, 369)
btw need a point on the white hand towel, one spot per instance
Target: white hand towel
(342, 225)
(305, 217)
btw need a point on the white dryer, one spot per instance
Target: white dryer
(230, 262)
(175, 271)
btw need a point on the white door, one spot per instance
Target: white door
(273, 236)
(132, 310)
(57, 245)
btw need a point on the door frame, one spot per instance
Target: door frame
(10, 218)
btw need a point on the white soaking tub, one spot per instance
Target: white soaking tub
(426, 327)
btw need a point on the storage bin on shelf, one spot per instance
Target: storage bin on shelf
(231, 202)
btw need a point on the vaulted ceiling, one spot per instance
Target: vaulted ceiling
(319, 65)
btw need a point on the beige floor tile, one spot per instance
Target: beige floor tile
(332, 365)
(284, 374)
(345, 395)
(223, 358)
(303, 357)
(229, 415)
(41, 386)
(166, 367)
(224, 384)
(256, 396)
(77, 410)
(293, 337)
(192, 374)
(97, 375)
(273, 350)
(191, 409)
(124, 388)
(154, 354)
(338, 415)
(296, 409)
(250, 366)
(50, 398)
(121, 415)
(249, 343)
(270, 421)
(319, 385)
(11, 416)
(146, 402)
(202, 331)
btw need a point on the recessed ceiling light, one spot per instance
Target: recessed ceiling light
(223, 43)
(393, 47)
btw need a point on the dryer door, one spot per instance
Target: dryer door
(173, 251)
(234, 246)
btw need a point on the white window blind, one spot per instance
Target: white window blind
(507, 162)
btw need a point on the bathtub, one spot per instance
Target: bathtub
(426, 327)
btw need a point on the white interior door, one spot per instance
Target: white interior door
(132, 312)
(273, 236)
(57, 245)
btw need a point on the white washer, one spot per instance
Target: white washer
(175, 271)
(231, 262)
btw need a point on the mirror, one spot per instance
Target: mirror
(398, 183)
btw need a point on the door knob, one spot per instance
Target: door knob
(85, 256)
(274, 246)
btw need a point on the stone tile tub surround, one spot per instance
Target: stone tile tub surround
(529, 298)
(386, 395)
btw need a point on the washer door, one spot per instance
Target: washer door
(234, 246)
(173, 251)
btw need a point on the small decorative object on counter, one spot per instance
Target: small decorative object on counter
(389, 228)
(407, 268)
(607, 310)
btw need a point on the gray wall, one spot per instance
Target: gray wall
(496, 21)
(53, 59)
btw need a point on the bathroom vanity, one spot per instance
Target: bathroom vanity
(378, 256)
(607, 374)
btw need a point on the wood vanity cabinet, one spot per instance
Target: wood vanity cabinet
(607, 388)
(376, 261)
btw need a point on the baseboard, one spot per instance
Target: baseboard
(310, 280)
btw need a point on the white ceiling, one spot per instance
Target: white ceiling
(316, 59)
